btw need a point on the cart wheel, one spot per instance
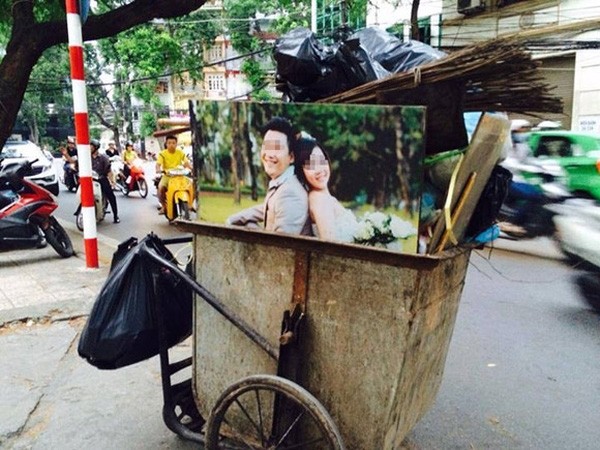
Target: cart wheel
(242, 418)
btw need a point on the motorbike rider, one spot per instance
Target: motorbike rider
(129, 155)
(169, 158)
(101, 165)
(111, 150)
(70, 156)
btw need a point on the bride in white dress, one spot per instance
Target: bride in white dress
(331, 221)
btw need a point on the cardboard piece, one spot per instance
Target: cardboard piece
(482, 155)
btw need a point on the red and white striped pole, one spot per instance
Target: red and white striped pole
(82, 133)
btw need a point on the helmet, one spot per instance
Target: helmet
(70, 140)
(517, 124)
(95, 143)
(128, 144)
(548, 125)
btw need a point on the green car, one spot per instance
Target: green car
(577, 153)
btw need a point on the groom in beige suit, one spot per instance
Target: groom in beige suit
(285, 208)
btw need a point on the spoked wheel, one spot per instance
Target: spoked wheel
(142, 187)
(243, 418)
(183, 209)
(58, 238)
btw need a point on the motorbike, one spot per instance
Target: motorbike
(179, 198)
(577, 224)
(136, 181)
(71, 176)
(26, 212)
(578, 235)
(527, 210)
(100, 203)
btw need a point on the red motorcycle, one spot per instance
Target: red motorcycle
(26, 212)
(136, 181)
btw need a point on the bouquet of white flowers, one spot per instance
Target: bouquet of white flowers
(378, 229)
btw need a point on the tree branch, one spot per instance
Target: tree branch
(29, 39)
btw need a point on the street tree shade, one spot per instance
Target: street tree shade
(29, 38)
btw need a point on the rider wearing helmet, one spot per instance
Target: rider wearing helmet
(101, 165)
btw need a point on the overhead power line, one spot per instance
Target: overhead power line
(156, 77)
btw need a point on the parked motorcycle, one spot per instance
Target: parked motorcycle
(179, 198)
(136, 181)
(100, 203)
(26, 212)
(71, 176)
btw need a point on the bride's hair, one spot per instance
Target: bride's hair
(304, 147)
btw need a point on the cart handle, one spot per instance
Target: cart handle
(254, 336)
(178, 240)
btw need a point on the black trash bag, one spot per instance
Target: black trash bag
(310, 70)
(493, 195)
(122, 327)
(394, 55)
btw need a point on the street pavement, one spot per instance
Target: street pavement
(53, 399)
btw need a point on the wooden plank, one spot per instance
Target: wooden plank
(457, 211)
(481, 157)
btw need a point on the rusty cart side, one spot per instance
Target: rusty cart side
(375, 341)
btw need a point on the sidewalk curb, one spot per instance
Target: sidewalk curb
(76, 304)
(106, 245)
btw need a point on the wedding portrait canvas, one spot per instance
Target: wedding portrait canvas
(364, 182)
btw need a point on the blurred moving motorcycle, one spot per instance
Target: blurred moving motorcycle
(577, 224)
(578, 235)
(526, 212)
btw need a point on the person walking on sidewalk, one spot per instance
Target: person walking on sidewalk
(101, 165)
(170, 158)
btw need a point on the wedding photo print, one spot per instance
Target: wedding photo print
(345, 173)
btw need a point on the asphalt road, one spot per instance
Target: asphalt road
(522, 371)
(523, 366)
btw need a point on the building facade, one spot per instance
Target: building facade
(574, 73)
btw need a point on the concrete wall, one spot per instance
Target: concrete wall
(586, 96)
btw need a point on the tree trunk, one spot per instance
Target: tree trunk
(414, 21)
(236, 152)
(402, 171)
(29, 39)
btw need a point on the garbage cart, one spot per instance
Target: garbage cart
(303, 343)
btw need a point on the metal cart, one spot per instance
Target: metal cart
(302, 343)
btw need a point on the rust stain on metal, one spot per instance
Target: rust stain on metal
(300, 288)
